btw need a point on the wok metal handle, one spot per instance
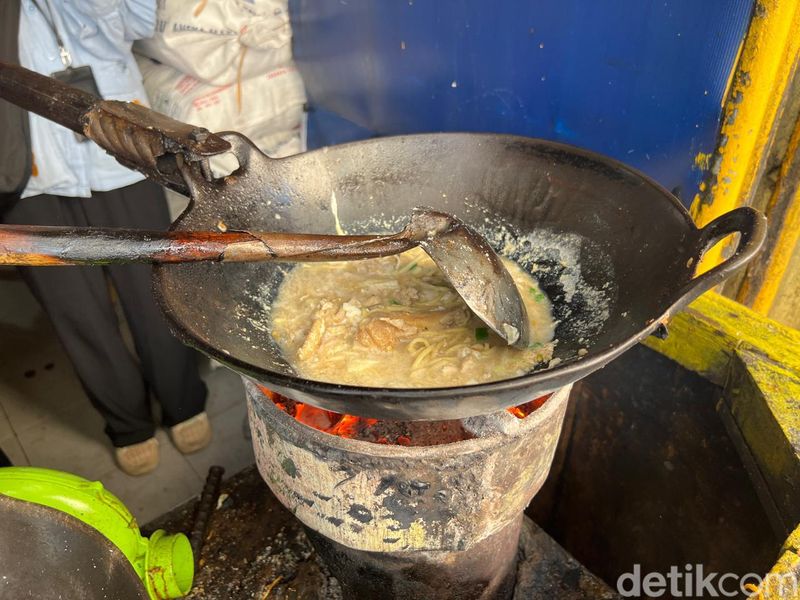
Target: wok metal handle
(752, 227)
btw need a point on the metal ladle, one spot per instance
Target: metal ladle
(467, 261)
(166, 151)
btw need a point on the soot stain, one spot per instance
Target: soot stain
(384, 484)
(400, 510)
(405, 510)
(289, 467)
(360, 513)
(413, 488)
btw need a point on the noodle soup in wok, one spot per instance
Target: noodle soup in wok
(397, 322)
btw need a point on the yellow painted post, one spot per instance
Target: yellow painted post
(782, 582)
(767, 61)
(760, 288)
(704, 337)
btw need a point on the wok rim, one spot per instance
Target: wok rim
(544, 380)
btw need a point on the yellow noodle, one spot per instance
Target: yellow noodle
(421, 356)
(412, 345)
(348, 353)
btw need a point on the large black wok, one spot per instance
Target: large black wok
(614, 251)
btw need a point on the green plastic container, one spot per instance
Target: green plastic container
(163, 562)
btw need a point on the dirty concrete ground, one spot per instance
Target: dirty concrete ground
(256, 548)
(46, 419)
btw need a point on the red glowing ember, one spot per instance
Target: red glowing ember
(523, 410)
(347, 426)
(384, 432)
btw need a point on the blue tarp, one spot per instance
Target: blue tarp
(640, 81)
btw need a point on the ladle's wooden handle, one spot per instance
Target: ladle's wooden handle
(35, 245)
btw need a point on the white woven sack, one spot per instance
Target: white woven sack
(220, 41)
(261, 106)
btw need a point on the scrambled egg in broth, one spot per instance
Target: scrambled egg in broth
(397, 322)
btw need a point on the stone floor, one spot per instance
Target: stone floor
(46, 419)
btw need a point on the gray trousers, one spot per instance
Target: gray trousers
(78, 303)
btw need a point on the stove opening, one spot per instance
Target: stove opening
(401, 433)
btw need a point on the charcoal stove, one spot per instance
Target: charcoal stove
(411, 510)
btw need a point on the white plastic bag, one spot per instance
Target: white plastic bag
(267, 108)
(220, 41)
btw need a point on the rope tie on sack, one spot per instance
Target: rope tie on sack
(201, 6)
(239, 79)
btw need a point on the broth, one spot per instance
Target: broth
(397, 322)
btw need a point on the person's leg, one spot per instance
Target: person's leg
(79, 306)
(168, 366)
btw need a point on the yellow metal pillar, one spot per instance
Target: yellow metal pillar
(760, 288)
(766, 64)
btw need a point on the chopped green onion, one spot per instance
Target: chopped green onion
(393, 301)
(481, 333)
(537, 295)
(409, 267)
(533, 345)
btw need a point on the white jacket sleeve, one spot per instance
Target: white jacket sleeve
(139, 18)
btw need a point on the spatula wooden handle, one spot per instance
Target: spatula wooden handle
(36, 245)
